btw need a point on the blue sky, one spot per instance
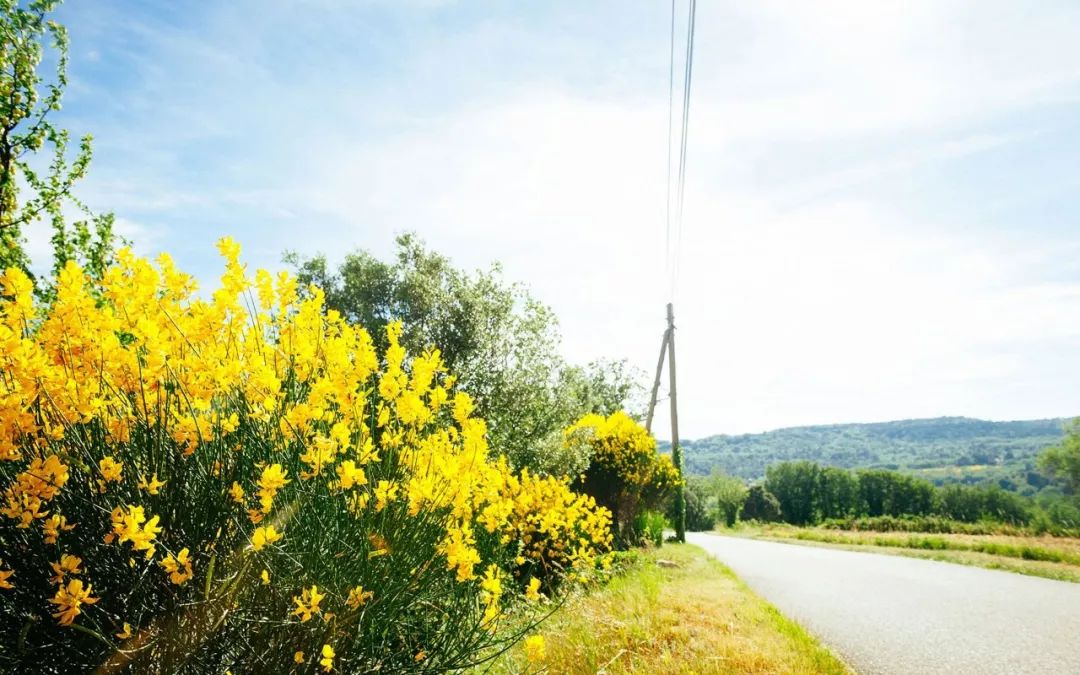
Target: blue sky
(880, 211)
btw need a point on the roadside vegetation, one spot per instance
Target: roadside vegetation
(898, 513)
(1041, 556)
(691, 615)
(383, 468)
(808, 494)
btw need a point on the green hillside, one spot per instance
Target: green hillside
(944, 449)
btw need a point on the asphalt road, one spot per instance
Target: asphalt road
(890, 614)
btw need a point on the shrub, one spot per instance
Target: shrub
(699, 516)
(241, 482)
(649, 528)
(625, 473)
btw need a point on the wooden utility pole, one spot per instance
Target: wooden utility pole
(656, 382)
(667, 349)
(676, 451)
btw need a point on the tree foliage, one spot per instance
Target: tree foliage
(501, 342)
(728, 494)
(1062, 461)
(700, 515)
(761, 505)
(808, 494)
(33, 187)
(795, 485)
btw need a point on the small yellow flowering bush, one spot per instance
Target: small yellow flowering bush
(239, 482)
(562, 533)
(625, 473)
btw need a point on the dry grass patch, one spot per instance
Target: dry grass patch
(1042, 556)
(693, 618)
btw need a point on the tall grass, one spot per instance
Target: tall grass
(693, 617)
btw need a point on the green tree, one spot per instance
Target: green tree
(795, 485)
(700, 516)
(502, 343)
(890, 493)
(1062, 462)
(33, 188)
(729, 494)
(605, 386)
(761, 505)
(838, 493)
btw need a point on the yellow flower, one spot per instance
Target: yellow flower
(349, 474)
(70, 599)
(4, 576)
(152, 486)
(130, 524)
(385, 492)
(492, 582)
(126, 633)
(298, 657)
(357, 597)
(266, 501)
(111, 469)
(463, 407)
(237, 493)
(273, 478)
(69, 564)
(263, 536)
(491, 592)
(53, 525)
(265, 577)
(534, 648)
(179, 567)
(327, 660)
(532, 591)
(319, 455)
(308, 603)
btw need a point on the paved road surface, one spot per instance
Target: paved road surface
(890, 614)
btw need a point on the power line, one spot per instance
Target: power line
(667, 346)
(670, 116)
(685, 133)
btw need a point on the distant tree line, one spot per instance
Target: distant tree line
(809, 494)
(805, 493)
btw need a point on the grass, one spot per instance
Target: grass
(1042, 556)
(696, 617)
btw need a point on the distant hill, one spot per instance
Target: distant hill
(943, 449)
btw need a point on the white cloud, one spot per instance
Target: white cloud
(829, 311)
(808, 292)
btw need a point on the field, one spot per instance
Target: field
(1043, 556)
(696, 617)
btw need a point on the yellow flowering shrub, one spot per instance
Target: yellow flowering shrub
(229, 481)
(562, 533)
(625, 473)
